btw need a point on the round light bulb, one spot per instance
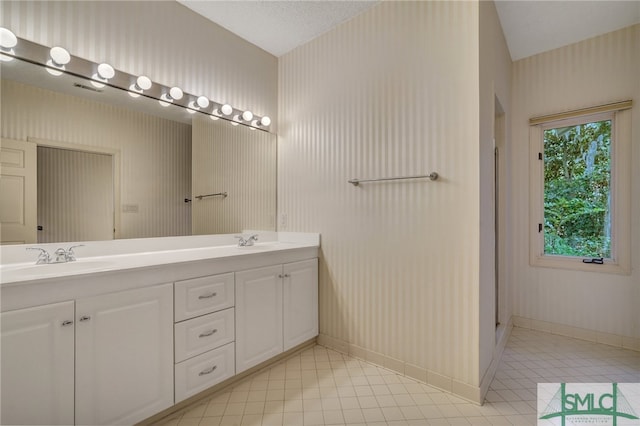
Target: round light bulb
(143, 82)
(202, 102)
(165, 100)
(226, 109)
(96, 83)
(7, 38)
(176, 93)
(59, 55)
(106, 71)
(5, 58)
(52, 68)
(265, 121)
(247, 116)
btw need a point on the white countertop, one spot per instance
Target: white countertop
(101, 257)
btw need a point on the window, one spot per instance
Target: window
(580, 184)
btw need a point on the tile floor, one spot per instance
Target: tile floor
(322, 387)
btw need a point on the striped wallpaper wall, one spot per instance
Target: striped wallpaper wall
(593, 72)
(75, 195)
(241, 162)
(155, 153)
(392, 92)
(161, 39)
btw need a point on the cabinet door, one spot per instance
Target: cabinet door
(258, 316)
(300, 302)
(124, 356)
(37, 365)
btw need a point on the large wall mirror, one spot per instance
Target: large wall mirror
(113, 166)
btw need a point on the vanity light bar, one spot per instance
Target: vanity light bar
(104, 74)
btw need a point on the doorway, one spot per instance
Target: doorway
(76, 199)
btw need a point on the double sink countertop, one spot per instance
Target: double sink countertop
(123, 264)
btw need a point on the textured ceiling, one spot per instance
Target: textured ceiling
(278, 26)
(532, 27)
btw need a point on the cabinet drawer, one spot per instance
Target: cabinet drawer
(202, 334)
(199, 373)
(200, 296)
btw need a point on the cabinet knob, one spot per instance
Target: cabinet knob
(208, 333)
(287, 275)
(207, 371)
(280, 276)
(67, 323)
(208, 296)
(85, 318)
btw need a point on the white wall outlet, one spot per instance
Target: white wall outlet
(283, 220)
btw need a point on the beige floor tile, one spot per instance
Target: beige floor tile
(324, 387)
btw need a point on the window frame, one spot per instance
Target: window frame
(620, 187)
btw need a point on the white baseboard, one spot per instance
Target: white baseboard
(625, 342)
(445, 383)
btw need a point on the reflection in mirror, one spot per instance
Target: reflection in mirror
(75, 195)
(153, 148)
(239, 162)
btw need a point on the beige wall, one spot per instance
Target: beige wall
(240, 162)
(161, 39)
(593, 72)
(495, 82)
(155, 153)
(392, 92)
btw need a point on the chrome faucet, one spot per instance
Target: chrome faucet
(61, 255)
(242, 242)
(43, 257)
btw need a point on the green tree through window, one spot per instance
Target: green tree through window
(577, 196)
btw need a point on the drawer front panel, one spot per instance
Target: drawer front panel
(202, 372)
(199, 335)
(200, 296)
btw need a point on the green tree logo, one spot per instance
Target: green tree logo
(613, 405)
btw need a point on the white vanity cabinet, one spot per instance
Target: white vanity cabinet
(38, 365)
(204, 333)
(105, 341)
(113, 352)
(276, 309)
(124, 363)
(258, 316)
(300, 322)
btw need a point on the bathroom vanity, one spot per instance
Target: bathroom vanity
(135, 326)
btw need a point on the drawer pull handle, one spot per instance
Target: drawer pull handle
(66, 323)
(85, 318)
(207, 371)
(208, 333)
(208, 296)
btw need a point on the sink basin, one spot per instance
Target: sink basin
(52, 269)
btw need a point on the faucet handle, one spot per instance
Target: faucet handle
(71, 256)
(43, 257)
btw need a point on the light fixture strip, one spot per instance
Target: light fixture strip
(38, 54)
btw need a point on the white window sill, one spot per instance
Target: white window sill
(575, 263)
